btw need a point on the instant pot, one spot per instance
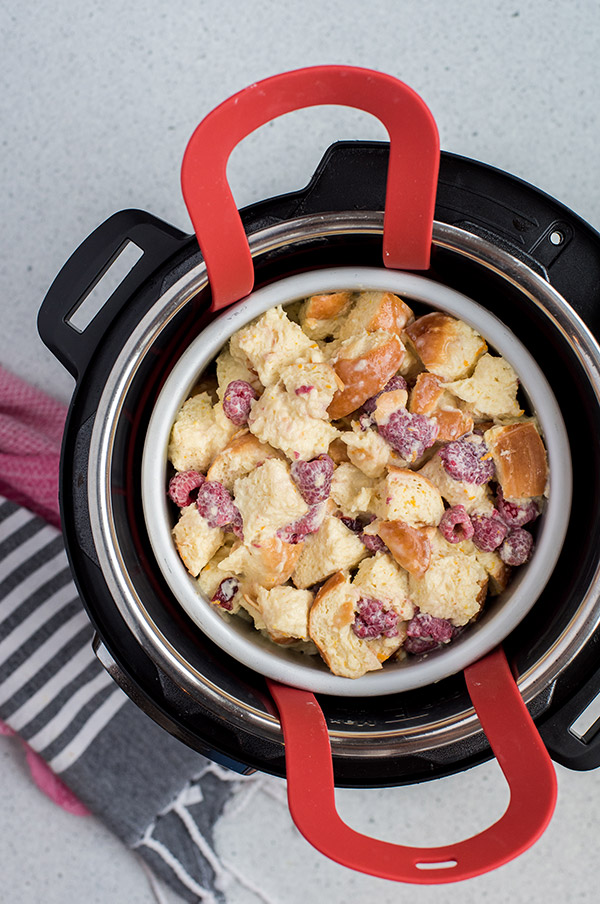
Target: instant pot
(517, 252)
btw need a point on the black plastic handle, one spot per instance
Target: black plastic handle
(578, 750)
(156, 239)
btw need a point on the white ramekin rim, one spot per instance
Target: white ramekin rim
(236, 636)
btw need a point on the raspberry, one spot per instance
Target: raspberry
(488, 531)
(455, 524)
(425, 632)
(353, 524)
(182, 485)
(418, 645)
(225, 592)
(409, 434)
(428, 627)
(396, 382)
(237, 525)
(215, 503)
(372, 620)
(515, 514)
(307, 524)
(373, 542)
(516, 549)
(303, 390)
(356, 525)
(313, 478)
(468, 460)
(237, 401)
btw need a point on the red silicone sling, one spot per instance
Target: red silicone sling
(411, 180)
(408, 222)
(514, 740)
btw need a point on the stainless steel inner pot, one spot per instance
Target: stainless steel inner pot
(354, 739)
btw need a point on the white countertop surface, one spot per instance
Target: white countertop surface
(97, 104)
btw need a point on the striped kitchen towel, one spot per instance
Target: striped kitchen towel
(161, 798)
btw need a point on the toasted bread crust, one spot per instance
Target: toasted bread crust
(392, 314)
(447, 347)
(324, 307)
(425, 394)
(365, 376)
(429, 397)
(377, 311)
(410, 546)
(520, 459)
(453, 424)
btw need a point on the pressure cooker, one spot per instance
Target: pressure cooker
(521, 255)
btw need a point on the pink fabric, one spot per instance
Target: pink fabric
(51, 785)
(46, 780)
(31, 428)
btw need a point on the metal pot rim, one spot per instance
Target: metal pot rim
(516, 273)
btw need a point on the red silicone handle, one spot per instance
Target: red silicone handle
(411, 180)
(514, 740)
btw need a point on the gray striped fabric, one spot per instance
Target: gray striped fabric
(59, 699)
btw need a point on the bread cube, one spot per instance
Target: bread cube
(447, 347)
(271, 343)
(376, 311)
(242, 455)
(268, 564)
(196, 542)
(411, 365)
(409, 546)
(330, 626)
(268, 499)
(498, 573)
(230, 369)
(199, 433)
(367, 450)
(452, 424)
(276, 418)
(520, 459)
(364, 363)
(453, 587)
(332, 548)
(211, 577)
(430, 396)
(284, 611)
(311, 387)
(351, 490)
(408, 496)
(321, 315)
(388, 403)
(381, 578)
(427, 394)
(491, 391)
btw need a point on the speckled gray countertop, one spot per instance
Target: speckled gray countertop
(98, 102)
